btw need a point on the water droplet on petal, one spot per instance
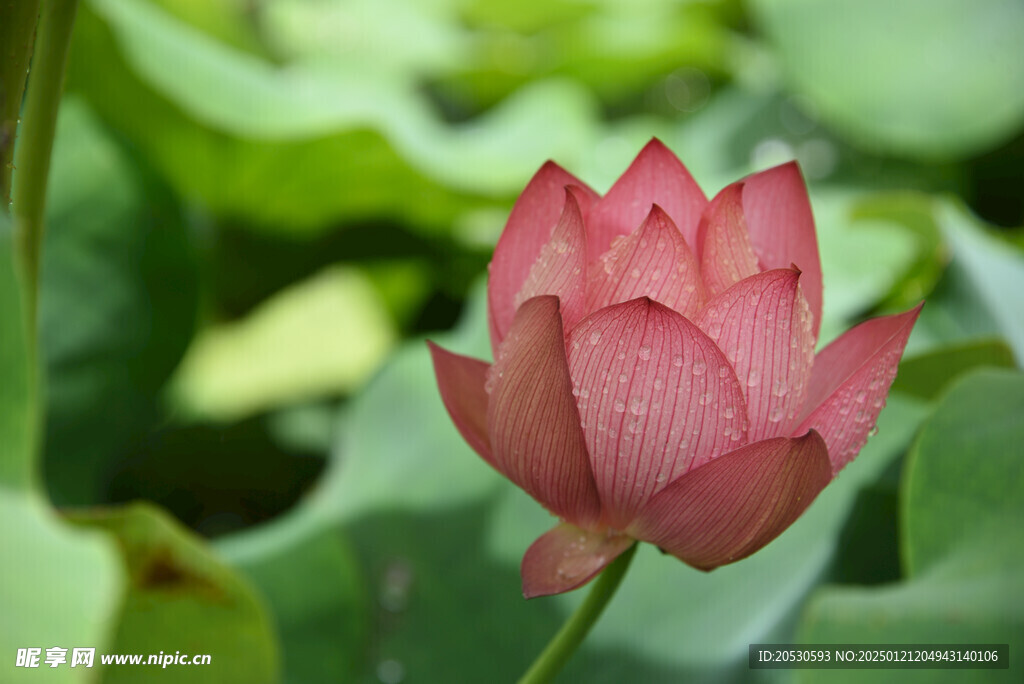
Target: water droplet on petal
(775, 415)
(644, 353)
(595, 337)
(699, 367)
(753, 377)
(637, 406)
(677, 361)
(620, 406)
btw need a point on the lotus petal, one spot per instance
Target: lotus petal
(850, 380)
(528, 229)
(763, 325)
(656, 398)
(737, 503)
(567, 557)
(559, 270)
(781, 227)
(727, 255)
(461, 380)
(653, 261)
(656, 176)
(532, 421)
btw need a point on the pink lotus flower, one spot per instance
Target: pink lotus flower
(655, 375)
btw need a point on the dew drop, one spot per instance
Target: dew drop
(723, 372)
(658, 383)
(677, 361)
(619, 406)
(753, 377)
(775, 415)
(637, 406)
(729, 412)
(623, 377)
(644, 353)
(595, 337)
(699, 367)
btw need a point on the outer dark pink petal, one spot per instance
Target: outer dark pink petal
(560, 268)
(655, 176)
(461, 380)
(849, 383)
(781, 228)
(727, 255)
(528, 229)
(656, 398)
(653, 261)
(531, 416)
(567, 557)
(734, 505)
(763, 325)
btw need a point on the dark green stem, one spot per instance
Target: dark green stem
(551, 661)
(18, 20)
(32, 160)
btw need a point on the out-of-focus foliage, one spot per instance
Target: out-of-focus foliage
(118, 303)
(961, 502)
(181, 598)
(257, 210)
(932, 78)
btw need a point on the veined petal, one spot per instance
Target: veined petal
(655, 176)
(653, 261)
(781, 228)
(528, 229)
(531, 416)
(737, 503)
(727, 255)
(567, 557)
(763, 325)
(850, 380)
(461, 380)
(656, 398)
(560, 268)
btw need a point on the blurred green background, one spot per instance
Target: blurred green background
(258, 209)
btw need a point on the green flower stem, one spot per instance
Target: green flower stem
(32, 156)
(551, 661)
(18, 21)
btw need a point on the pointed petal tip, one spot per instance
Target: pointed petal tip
(850, 381)
(461, 382)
